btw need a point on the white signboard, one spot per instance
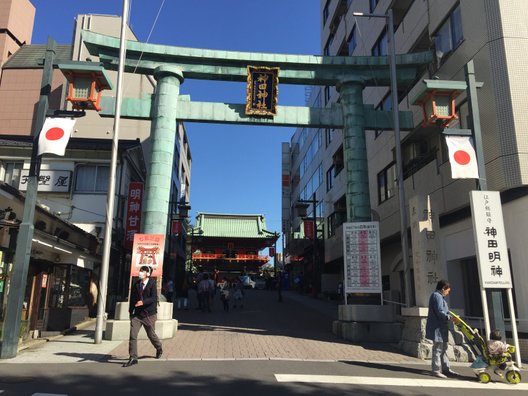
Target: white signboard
(490, 240)
(49, 181)
(362, 257)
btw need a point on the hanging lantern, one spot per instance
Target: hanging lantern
(437, 100)
(86, 80)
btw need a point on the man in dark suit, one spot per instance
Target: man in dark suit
(143, 310)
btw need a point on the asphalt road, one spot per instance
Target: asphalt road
(239, 377)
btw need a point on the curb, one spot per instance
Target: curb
(36, 342)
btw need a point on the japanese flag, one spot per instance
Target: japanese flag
(462, 157)
(55, 135)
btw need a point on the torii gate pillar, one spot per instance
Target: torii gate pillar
(157, 189)
(355, 150)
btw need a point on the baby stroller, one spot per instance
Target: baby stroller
(485, 364)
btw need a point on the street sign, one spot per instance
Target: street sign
(362, 257)
(490, 240)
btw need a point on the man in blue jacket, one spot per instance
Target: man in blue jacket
(436, 330)
(143, 309)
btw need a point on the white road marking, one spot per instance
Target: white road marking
(48, 394)
(381, 381)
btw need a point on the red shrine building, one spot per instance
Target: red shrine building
(231, 243)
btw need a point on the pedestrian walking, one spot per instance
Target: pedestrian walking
(238, 295)
(437, 330)
(182, 295)
(169, 290)
(143, 311)
(224, 295)
(203, 293)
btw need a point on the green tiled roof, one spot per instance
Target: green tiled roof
(232, 226)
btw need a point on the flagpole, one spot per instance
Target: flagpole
(17, 284)
(103, 279)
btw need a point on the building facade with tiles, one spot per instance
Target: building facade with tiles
(493, 34)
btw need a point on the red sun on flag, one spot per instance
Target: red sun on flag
(462, 157)
(54, 133)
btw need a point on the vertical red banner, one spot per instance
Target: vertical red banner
(309, 229)
(133, 217)
(176, 228)
(271, 251)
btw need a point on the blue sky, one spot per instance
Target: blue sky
(236, 169)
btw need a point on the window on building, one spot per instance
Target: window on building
(373, 4)
(11, 173)
(330, 176)
(338, 217)
(328, 45)
(329, 133)
(313, 183)
(317, 101)
(338, 160)
(326, 12)
(92, 178)
(352, 41)
(317, 142)
(449, 35)
(384, 105)
(326, 95)
(380, 48)
(387, 183)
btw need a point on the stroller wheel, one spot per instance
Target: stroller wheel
(484, 377)
(513, 377)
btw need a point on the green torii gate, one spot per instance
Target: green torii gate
(170, 65)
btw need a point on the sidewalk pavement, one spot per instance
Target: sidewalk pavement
(299, 328)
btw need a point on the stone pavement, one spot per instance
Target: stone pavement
(299, 328)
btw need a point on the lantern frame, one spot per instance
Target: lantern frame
(88, 78)
(432, 97)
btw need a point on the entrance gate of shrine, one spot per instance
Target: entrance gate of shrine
(171, 65)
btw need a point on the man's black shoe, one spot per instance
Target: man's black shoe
(159, 352)
(130, 362)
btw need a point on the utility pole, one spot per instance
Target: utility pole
(397, 148)
(103, 280)
(17, 285)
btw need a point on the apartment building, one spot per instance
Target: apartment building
(493, 34)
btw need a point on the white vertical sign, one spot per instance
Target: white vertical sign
(428, 263)
(362, 257)
(490, 240)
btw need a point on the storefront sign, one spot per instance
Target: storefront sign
(262, 90)
(133, 218)
(58, 181)
(362, 257)
(148, 249)
(490, 240)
